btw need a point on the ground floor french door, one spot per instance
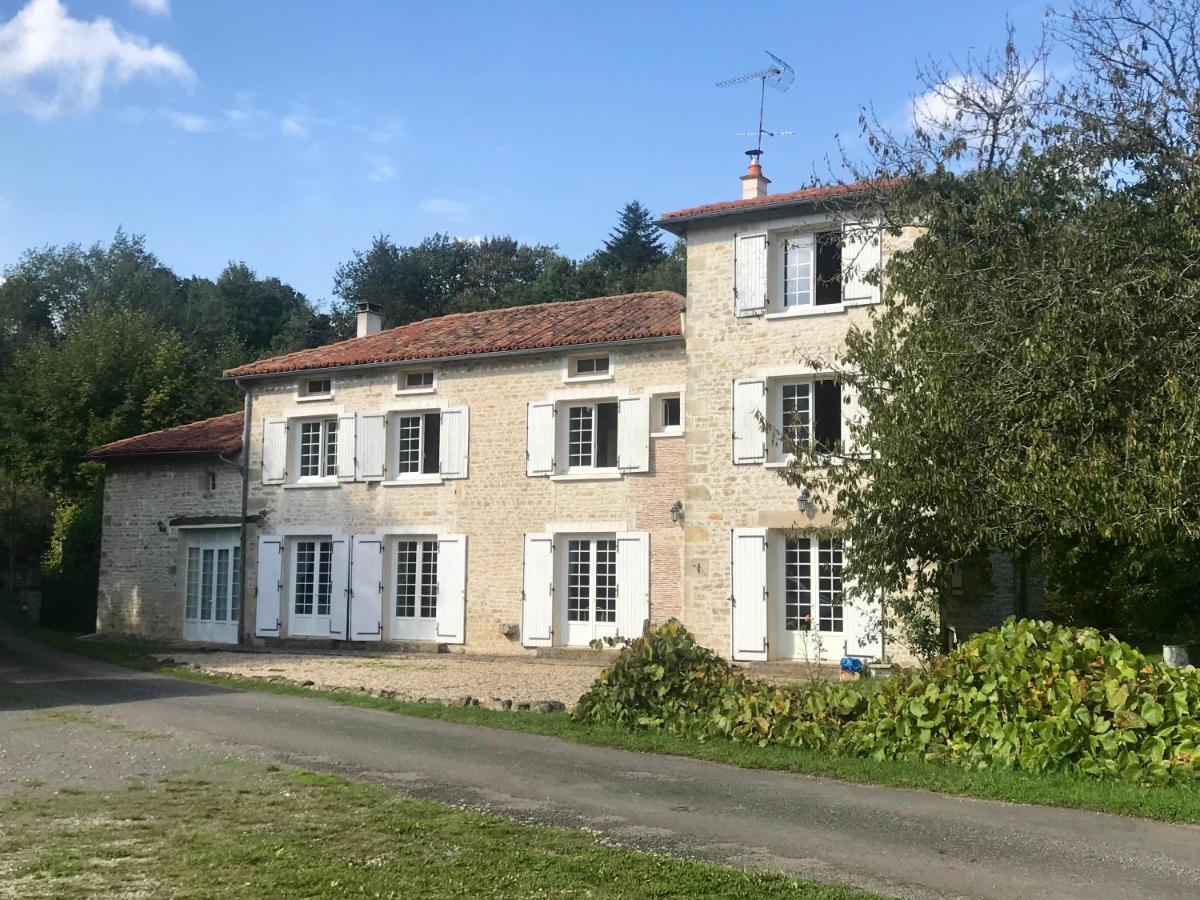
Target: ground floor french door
(812, 621)
(588, 583)
(212, 596)
(312, 588)
(415, 598)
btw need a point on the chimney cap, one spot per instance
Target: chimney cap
(366, 306)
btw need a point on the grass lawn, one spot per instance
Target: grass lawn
(253, 831)
(1179, 802)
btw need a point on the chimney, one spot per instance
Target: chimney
(754, 183)
(370, 319)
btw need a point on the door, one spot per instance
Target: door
(414, 589)
(748, 574)
(815, 622)
(588, 592)
(312, 588)
(212, 589)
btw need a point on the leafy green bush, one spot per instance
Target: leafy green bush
(1027, 695)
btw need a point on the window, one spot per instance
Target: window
(318, 448)
(809, 562)
(416, 579)
(418, 443)
(312, 586)
(588, 367)
(810, 413)
(592, 436)
(416, 381)
(316, 387)
(811, 270)
(592, 581)
(212, 584)
(669, 410)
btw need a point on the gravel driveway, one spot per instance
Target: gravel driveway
(441, 678)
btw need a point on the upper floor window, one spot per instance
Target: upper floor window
(418, 443)
(588, 438)
(416, 381)
(811, 269)
(588, 368)
(592, 436)
(666, 413)
(799, 412)
(313, 388)
(318, 448)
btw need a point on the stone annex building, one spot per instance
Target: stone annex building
(533, 477)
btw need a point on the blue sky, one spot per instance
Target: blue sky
(287, 133)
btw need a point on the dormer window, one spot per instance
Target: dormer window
(316, 388)
(589, 368)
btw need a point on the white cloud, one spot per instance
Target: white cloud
(445, 208)
(293, 126)
(382, 170)
(51, 63)
(154, 7)
(189, 122)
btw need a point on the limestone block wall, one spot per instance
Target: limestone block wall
(498, 503)
(140, 589)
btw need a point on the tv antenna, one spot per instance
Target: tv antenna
(778, 75)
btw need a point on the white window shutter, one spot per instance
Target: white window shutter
(539, 439)
(750, 274)
(861, 256)
(452, 589)
(366, 588)
(455, 434)
(633, 434)
(274, 451)
(537, 606)
(860, 617)
(633, 583)
(749, 437)
(268, 587)
(339, 577)
(371, 446)
(346, 448)
(748, 574)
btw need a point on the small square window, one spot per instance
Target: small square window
(590, 365)
(666, 414)
(670, 412)
(317, 387)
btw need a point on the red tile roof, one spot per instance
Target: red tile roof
(222, 434)
(542, 326)
(673, 220)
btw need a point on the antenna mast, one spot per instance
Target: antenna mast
(780, 76)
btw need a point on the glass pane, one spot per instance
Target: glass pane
(235, 605)
(222, 604)
(429, 579)
(306, 555)
(797, 274)
(324, 578)
(829, 583)
(406, 579)
(331, 429)
(579, 580)
(579, 436)
(797, 585)
(606, 436)
(797, 413)
(191, 607)
(408, 442)
(310, 449)
(206, 586)
(606, 581)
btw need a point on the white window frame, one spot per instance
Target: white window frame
(776, 386)
(403, 389)
(572, 375)
(193, 601)
(328, 474)
(393, 447)
(294, 577)
(810, 559)
(658, 426)
(778, 253)
(305, 395)
(564, 438)
(423, 543)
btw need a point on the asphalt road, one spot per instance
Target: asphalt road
(905, 843)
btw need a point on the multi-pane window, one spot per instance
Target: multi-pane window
(812, 270)
(418, 438)
(313, 581)
(415, 380)
(416, 578)
(212, 584)
(811, 413)
(590, 365)
(592, 436)
(592, 580)
(808, 564)
(191, 608)
(797, 413)
(318, 448)
(318, 387)
(797, 272)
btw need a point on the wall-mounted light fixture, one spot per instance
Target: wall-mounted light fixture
(676, 511)
(803, 501)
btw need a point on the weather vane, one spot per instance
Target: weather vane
(778, 75)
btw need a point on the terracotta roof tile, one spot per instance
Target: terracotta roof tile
(672, 220)
(222, 434)
(544, 325)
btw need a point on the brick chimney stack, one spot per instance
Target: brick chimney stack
(754, 182)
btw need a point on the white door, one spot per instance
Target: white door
(414, 593)
(587, 588)
(815, 622)
(212, 585)
(311, 588)
(748, 573)
(537, 592)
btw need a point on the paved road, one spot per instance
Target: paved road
(899, 842)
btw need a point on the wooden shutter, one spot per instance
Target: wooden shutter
(633, 583)
(750, 274)
(748, 574)
(452, 588)
(455, 441)
(366, 588)
(268, 587)
(371, 446)
(339, 576)
(633, 434)
(860, 617)
(274, 451)
(537, 596)
(539, 439)
(861, 255)
(749, 437)
(345, 448)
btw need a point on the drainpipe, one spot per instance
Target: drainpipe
(248, 409)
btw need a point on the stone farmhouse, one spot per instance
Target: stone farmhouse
(535, 477)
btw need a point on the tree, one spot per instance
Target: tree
(635, 244)
(1031, 381)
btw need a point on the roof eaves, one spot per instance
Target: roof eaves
(670, 223)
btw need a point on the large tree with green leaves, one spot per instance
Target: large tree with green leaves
(1031, 381)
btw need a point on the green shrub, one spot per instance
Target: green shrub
(1027, 695)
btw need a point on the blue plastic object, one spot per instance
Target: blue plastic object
(851, 664)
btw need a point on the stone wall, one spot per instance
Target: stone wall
(498, 503)
(141, 591)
